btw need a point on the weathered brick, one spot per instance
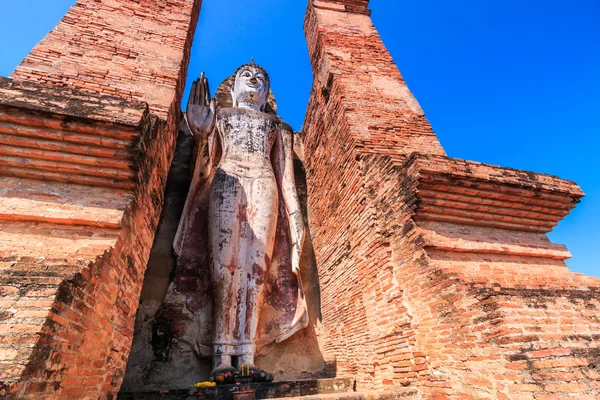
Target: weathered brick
(525, 387)
(566, 388)
(83, 169)
(548, 353)
(461, 244)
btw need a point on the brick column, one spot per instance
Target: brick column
(435, 272)
(356, 75)
(360, 106)
(136, 50)
(88, 126)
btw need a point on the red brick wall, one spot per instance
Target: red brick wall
(135, 50)
(88, 310)
(355, 6)
(73, 257)
(52, 222)
(356, 76)
(360, 105)
(74, 271)
(488, 302)
(435, 273)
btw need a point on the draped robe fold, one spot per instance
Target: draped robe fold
(284, 311)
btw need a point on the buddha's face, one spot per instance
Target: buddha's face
(251, 87)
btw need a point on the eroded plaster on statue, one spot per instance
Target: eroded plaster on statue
(243, 212)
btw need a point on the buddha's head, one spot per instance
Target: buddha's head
(251, 87)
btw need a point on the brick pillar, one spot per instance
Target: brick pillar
(136, 50)
(356, 75)
(88, 126)
(360, 106)
(435, 272)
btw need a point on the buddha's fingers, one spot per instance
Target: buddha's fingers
(192, 95)
(206, 92)
(200, 92)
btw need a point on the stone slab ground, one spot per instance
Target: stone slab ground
(324, 389)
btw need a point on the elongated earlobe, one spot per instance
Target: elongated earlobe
(233, 99)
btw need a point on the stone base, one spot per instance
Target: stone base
(270, 390)
(393, 394)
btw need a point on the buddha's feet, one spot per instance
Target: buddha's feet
(223, 374)
(258, 375)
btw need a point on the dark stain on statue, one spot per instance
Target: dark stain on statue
(223, 235)
(242, 213)
(258, 273)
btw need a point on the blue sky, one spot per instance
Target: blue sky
(513, 83)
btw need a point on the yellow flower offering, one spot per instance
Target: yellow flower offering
(205, 384)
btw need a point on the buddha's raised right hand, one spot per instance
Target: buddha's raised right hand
(200, 111)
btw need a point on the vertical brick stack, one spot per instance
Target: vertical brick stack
(360, 106)
(356, 77)
(134, 50)
(84, 165)
(434, 272)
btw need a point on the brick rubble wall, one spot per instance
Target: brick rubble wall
(73, 259)
(60, 204)
(82, 347)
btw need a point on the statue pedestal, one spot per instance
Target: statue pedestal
(265, 390)
(334, 388)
